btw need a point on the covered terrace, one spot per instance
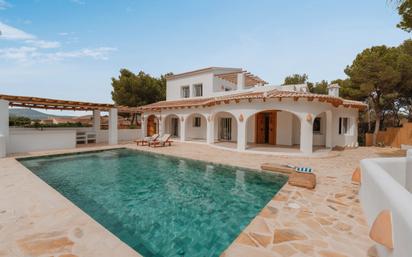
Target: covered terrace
(273, 121)
(14, 140)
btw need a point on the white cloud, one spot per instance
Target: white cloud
(100, 53)
(19, 54)
(4, 5)
(11, 33)
(30, 55)
(63, 34)
(35, 50)
(43, 44)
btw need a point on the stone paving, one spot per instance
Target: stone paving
(35, 220)
(325, 222)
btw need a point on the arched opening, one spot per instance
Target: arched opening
(172, 125)
(319, 130)
(225, 129)
(152, 125)
(322, 131)
(273, 130)
(196, 127)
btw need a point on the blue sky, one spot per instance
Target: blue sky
(70, 49)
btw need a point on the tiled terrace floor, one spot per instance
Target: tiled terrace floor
(326, 222)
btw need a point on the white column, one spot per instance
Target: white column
(143, 126)
(210, 130)
(182, 128)
(113, 137)
(4, 127)
(96, 120)
(241, 80)
(241, 135)
(306, 133)
(161, 125)
(328, 129)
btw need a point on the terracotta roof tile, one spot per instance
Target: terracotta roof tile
(336, 101)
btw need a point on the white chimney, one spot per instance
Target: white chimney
(333, 90)
(241, 80)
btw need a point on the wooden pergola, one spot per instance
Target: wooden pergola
(55, 104)
(250, 79)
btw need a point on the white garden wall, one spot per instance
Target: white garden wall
(384, 186)
(28, 140)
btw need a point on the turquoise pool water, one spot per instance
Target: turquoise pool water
(161, 206)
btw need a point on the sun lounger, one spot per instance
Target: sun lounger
(147, 140)
(165, 139)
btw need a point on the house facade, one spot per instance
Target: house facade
(234, 109)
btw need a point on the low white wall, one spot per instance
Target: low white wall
(123, 135)
(27, 140)
(129, 134)
(382, 187)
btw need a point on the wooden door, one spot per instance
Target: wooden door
(266, 123)
(260, 128)
(272, 127)
(151, 126)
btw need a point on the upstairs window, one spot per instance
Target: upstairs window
(197, 122)
(316, 125)
(344, 126)
(185, 92)
(198, 90)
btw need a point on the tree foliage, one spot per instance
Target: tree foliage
(374, 75)
(296, 79)
(318, 87)
(132, 89)
(405, 11)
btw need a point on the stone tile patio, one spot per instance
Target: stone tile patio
(35, 220)
(325, 222)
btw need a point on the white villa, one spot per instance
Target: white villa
(232, 108)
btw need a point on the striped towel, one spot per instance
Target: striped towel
(304, 170)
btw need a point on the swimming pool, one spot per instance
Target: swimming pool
(159, 205)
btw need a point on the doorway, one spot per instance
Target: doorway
(175, 127)
(225, 132)
(266, 123)
(152, 125)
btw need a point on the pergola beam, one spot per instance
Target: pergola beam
(66, 105)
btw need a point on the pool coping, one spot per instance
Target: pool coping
(215, 164)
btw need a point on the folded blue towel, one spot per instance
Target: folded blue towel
(304, 170)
